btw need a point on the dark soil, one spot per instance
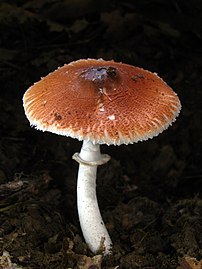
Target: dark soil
(150, 192)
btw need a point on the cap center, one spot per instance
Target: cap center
(99, 74)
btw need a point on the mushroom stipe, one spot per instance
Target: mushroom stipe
(99, 102)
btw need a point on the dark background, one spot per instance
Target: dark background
(150, 192)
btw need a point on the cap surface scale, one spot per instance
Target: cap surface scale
(102, 101)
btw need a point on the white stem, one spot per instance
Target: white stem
(92, 225)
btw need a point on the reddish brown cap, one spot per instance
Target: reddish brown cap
(102, 101)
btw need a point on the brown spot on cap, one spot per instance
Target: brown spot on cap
(57, 116)
(102, 101)
(135, 77)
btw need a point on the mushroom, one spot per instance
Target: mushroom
(99, 102)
